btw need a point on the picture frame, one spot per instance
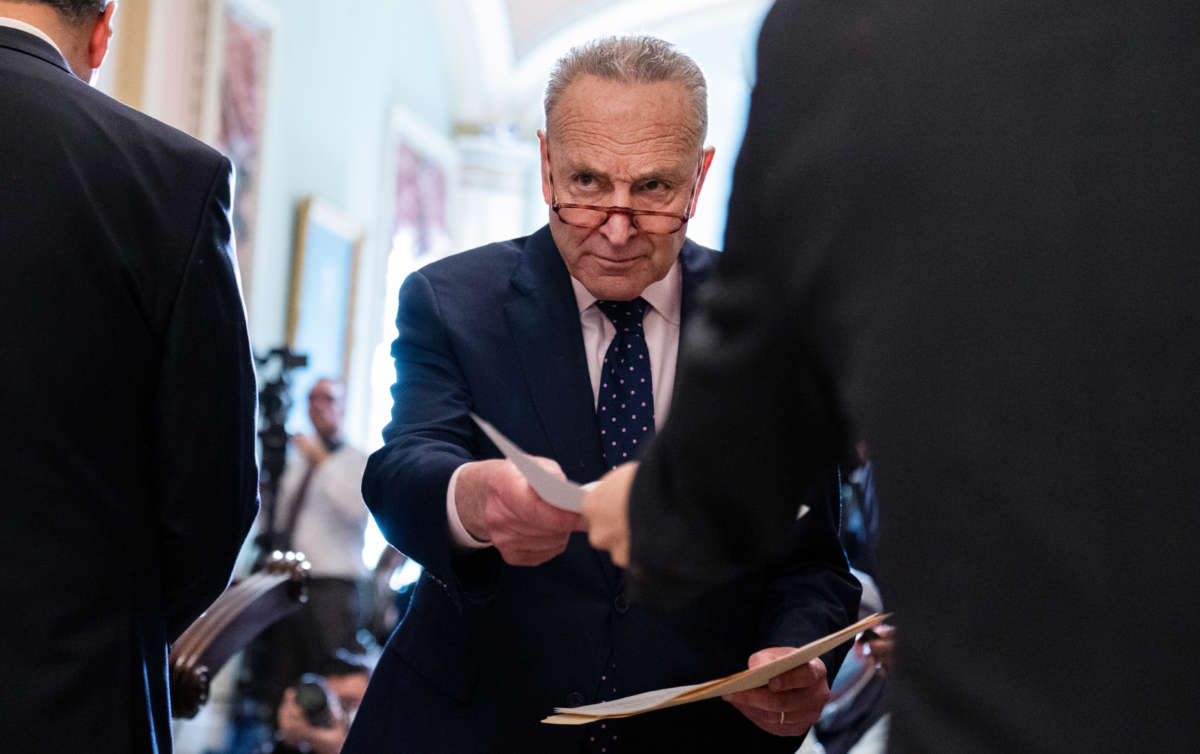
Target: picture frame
(323, 287)
(419, 169)
(234, 119)
(418, 188)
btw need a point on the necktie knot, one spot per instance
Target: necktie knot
(624, 314)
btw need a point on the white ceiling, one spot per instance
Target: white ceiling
(531, 21)
(501, 51)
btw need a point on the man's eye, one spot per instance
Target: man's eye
(655, 186)
(585, 180)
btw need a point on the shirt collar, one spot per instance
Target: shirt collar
(666, 295)
(28, 28)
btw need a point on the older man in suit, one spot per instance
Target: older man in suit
(566, 341)
(966, 234)
(127, 458)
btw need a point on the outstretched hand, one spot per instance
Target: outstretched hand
(606, 512)
(496, 503)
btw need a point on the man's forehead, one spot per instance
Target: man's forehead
(646, 160)
(625, 118)
(326, 389)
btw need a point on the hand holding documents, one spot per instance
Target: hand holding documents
(746, 679)
(560, 493)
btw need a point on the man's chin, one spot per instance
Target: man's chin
(614, 287)
(617, 280)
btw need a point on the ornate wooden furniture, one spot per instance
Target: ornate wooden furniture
(237, 616)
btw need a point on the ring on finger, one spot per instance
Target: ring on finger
(782, 715)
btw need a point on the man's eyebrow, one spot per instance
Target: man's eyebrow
(666, 175)
(663, 176)
(575, 168)
(675, 175)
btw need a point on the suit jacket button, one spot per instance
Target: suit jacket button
(620, 604)
(575, 699)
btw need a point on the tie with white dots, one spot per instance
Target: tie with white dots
(626, 405)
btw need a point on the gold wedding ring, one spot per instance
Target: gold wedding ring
(781, 716)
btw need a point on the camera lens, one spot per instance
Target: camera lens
(313, 699)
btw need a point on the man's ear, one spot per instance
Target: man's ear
(708, 155)
(101, 33)
(545, 154)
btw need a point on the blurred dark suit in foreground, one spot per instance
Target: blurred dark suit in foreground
(969, 234)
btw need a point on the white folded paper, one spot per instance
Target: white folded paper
(560, 493)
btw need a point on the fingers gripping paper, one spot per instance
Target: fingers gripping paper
(747, 679)
(558, 492)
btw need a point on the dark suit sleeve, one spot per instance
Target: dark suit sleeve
(430, 435)
(811, 591)
(753, 426)
(204, 413)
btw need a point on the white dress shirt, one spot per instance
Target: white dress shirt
(661, 327)
(13, 23)
(330, 526)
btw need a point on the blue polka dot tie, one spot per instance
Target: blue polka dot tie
(625, 408)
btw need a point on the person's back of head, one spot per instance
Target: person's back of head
(80, 28)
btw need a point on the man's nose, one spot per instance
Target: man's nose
(618, 229)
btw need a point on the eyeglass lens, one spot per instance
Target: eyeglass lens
(592, 218)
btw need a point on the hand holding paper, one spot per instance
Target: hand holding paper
(753, 678)
(790, 702)
(496, 503)
(551, 485)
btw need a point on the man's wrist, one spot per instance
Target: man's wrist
(459, 533)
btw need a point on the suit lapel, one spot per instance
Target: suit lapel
(544, 321)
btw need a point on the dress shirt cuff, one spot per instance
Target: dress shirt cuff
(458, 532)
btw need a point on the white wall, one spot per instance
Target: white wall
(337, 71)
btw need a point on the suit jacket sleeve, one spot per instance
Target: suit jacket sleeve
(430, 435)
(753, 425)
(204, 413)
(811, 591)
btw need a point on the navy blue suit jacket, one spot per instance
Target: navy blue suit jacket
(127, 472)
(486, 650)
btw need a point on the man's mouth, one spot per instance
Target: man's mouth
(615, 264)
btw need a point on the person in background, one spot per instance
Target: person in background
(127, 459)
(316, 716)
(321, 514)
(860, 513)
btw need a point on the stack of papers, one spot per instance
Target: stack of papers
(747, 679)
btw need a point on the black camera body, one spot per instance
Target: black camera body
(312, 697)
(274, 401)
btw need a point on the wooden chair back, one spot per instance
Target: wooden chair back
(242, 612)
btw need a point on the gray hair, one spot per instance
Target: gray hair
(74, 11)
(643, 60)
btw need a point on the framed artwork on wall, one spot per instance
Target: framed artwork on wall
(243, 39)
(320, 317)
(420, 167)
(419, 170)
